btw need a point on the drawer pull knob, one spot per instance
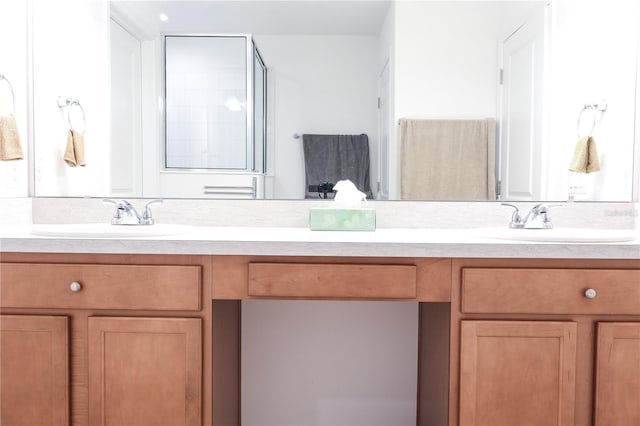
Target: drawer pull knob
(75, 286)
(590, 293)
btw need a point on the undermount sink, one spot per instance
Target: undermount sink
(105, 230)
(566, 235)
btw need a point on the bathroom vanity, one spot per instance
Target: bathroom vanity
(501, 339)
(105, 329)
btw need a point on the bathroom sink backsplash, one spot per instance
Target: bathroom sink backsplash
(295, 213)
(15, 211)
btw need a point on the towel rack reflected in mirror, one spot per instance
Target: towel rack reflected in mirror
(13, 95)
(598, 110)
(70, 103)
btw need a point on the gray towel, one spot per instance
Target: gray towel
(330, 158)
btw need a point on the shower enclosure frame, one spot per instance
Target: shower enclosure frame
(253, 165)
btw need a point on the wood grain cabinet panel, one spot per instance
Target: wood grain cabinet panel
(310, 280)
(517, 373)
(618, 374)
(551, 291)
(141, 287)
(34, 376)
(145, 371)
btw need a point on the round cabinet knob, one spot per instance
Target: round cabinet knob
(75, 286)
(590, 293)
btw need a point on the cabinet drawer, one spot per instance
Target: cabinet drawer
(551, 291)
(152, 287)
(332, 280)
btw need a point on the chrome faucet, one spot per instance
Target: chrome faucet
(126, 214)
(536, 218)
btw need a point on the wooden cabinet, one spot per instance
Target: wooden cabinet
(313, 280)
(618, 374)
(550, 291)
(517, 373)
(426, 281)
(409, 279)
(126, 347)
(95, 286)
(145, 371)
(545, 342)
(155, 339)
(34, 377)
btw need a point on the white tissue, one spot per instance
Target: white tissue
(347, 195)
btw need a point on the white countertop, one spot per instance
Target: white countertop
(280, 241)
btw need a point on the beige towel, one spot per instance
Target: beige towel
(447, 159)
(10, 148)
(585, 156)
(74, 153)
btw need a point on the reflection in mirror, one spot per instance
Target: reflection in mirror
(13, 99)
(331, 68)
(205, 128)
(210, 111)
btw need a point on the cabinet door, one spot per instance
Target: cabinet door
(517, 373)
(145, 371)
(618, 374)
(34, 379)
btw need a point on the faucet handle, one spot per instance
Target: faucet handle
(124, 213)
(117, 213)
(542, 210)
(544, 207)
(147, 218)
(120, 204)
(516, 219)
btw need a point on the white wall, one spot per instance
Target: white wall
(329, 363)
(14, 66)
(126, 108)
(446, 61)
(152, 128)
(594, 58)
(71, 59)
(317, 84)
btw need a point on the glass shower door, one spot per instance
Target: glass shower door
(206, 103)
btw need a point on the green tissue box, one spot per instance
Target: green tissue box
(342, 219)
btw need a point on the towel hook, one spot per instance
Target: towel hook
(600, 107)
(13, 95)
(70, 103)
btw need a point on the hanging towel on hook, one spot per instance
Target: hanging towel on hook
(10, 148)
(74, 153)
(585, 156)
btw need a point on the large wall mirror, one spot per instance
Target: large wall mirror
(545, 74)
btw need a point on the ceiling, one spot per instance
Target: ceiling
(302, 17)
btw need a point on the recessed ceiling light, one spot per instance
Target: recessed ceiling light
(163, 17)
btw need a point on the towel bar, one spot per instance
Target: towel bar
(233, 190)
(600, 107)
(69, 103)
(13, 95)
